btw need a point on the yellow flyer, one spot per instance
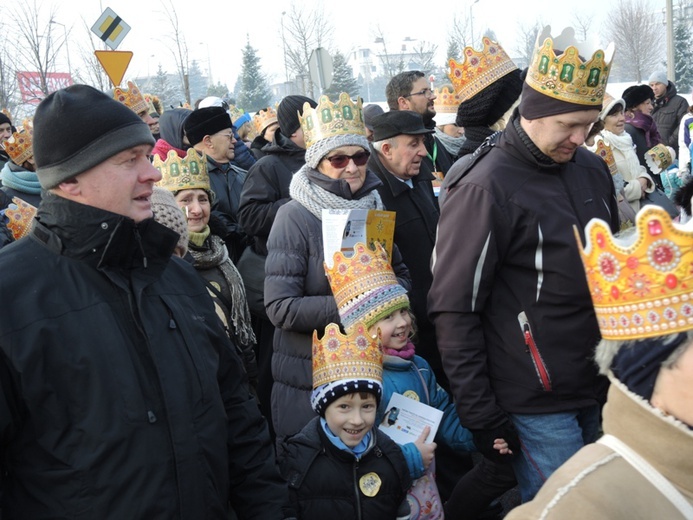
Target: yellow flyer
(342, 229)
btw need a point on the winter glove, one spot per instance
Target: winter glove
(483, 439)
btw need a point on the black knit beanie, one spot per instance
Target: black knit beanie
(288, 111)
(4, 119)
(487, 107)
(206, 121)
(637, 94)
(79, 127)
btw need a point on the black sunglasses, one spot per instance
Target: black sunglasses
(340, 161)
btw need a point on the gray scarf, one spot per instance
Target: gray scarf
(218, 256)
(315, 199)
(451, 144)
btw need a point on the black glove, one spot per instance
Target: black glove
(483, 439)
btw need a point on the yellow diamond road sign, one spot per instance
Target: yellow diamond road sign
(110, 28)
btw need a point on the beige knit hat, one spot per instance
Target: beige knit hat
(167, 212)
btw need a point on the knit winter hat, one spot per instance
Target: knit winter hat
(287, 113)
(78, 127)
(345, 364)
(487, 106)
(637, 94)
(206, 121)
(4, 119)
(364, 285)
(167, 212)
(659, 76)
(369, 112)
(608, 105)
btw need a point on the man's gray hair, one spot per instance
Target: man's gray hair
(378, 145)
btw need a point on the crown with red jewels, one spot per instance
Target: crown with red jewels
(447, 101)
(21, 215)
(263, 118)
(479, 68)
(131, 97)
(642, 284)
(337, 356)
(19, 145)
(183, 173)
(567, 76)
(331, 119)
(604, 151)
(364, 285)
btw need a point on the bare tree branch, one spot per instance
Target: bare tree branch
(178, 47)
(638, 36)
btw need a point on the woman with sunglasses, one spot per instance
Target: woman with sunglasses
(298, 298)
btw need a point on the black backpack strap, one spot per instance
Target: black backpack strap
(463, 165)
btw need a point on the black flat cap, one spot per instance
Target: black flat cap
(398, 122)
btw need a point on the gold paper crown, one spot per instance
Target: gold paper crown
(329, 119)
(641, 287)
(479, 68)
(604, 151)
(263, 118)
(183, 173)
(447, 101)
(659, 158)
(337, 356)
(7, 113)
(131, 97)
(153, 104)
(19, 145)
(567, 77)
(364, 285)
(235, 112)
(20, 214)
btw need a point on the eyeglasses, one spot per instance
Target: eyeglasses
(341, 161)
(427, 93)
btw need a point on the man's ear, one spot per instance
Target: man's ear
(403, 103)
(386, 149)
(70, 187)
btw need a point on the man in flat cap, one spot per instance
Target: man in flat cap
(515, 324)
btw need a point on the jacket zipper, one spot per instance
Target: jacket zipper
(533, 350)
(356, 489)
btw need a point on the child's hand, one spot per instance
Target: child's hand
(502, 447)
(427, 451)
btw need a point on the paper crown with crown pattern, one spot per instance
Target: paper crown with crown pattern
(329, 119)
(354, 355)
(131, 97)
(183, 173)
(20, 216)
(19, 145)
(641, 285)
(567, 76)
(604, 151)
(263, 118)
(364, 285)
(479, 69)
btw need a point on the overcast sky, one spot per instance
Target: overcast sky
(216, 30)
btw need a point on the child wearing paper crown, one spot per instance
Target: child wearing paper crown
(338, 466)
(366, 291)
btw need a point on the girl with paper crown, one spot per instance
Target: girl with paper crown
(297, 296)
(366, 291)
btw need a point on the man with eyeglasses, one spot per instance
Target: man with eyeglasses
(209, 130)
(411, 90)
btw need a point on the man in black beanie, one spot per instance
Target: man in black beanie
(266, 189)
(410, 90)
(121, 395)
(5, 133)
(210, 131)
(515, 326)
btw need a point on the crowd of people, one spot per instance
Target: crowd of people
(195, 349)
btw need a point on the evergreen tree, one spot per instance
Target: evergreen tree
(254, 92)
(197, 82)
(218, 90)
(683, 56)
(454, 51)
(343, 79)
(169, 90)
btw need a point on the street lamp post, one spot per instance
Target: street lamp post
(471, 21)
(286, 70)
(67, 47)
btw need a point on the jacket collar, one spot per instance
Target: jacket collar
(396, 186)
(518, 143)
(663, 441)
(101, 238)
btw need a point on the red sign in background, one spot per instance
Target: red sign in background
(30, 84)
